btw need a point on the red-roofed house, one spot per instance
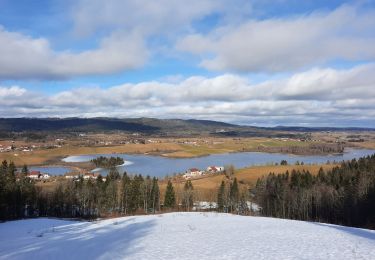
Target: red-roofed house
(34, 175)
(193, 172)
(215, 169)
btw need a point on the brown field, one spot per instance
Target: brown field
(206, 187)
(366, 145)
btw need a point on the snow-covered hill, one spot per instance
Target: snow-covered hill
(183, 236)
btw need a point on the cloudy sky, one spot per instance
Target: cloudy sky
(261, 62)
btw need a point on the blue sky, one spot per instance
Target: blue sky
(284, 62)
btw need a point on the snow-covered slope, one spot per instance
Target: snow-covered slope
(183, 236)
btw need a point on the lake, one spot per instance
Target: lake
(161, 166)
(51, 170)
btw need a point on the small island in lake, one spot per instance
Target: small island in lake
(107, 162)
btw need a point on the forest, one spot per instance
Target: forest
(344, 195)
(20, 197)
(118, 195)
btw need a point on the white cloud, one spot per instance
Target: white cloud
(133, 31)
(314, 97)
(128, 28)
(26, 57)
(144, 16)
(286, 44)
(13, 91)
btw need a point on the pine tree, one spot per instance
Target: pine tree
(146, 193)
(25, 170)
(234, 195)
(169, 199)
(221, 197)
(3, 202)
(155, 195)
(125, 193)
(113, 174)
(135, 194)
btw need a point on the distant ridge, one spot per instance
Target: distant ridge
(315, 129)
(156, 126)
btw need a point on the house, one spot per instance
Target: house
(37, 175)
(71, 176)
(215, 169)
(193, 172)
(44, 176)
(34, 175)
(90, 176)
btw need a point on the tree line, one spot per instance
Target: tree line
(231, 199)
(344, 195)
(117, 195)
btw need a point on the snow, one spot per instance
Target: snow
(183, 236)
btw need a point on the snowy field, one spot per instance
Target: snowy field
(183, 236)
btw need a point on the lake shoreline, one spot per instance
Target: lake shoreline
(161, 166)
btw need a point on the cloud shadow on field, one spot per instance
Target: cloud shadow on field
(367, 234)
(83, 241)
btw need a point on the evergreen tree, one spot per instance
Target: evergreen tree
(221, 197)
(125, 193)
(234, 195)
(169, 199)
(25, 170)
(113, 174)
(155, 195)
(135, 194)
(147, 190)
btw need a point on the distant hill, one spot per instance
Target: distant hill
(141, 125)
(152, 126)
(319, 129)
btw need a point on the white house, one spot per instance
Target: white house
(215, 169)
(90, 176)
(71, 176)
(44, 176)
(37, 175)
(193, 172)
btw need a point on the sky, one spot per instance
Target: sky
(261, 62)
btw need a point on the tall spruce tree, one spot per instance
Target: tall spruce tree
(234, 195)
(155, 195)
(170, 198)
(221, 197)
(125, 193)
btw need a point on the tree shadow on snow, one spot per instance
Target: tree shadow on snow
(91, 240)
(368, 234)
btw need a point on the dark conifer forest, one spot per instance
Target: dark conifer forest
(20, 197)
(344, 195)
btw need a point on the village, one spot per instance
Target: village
(191, 173)
(195, 173)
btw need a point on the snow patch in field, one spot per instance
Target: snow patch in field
(183, 236)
